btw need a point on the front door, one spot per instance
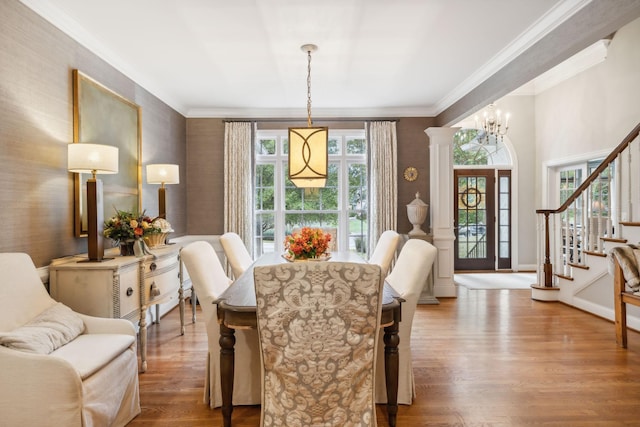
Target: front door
(475, 219)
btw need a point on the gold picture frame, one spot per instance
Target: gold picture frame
(102, 116)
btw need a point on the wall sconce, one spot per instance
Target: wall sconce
(308, 153)
(162, 174)
(94, 159)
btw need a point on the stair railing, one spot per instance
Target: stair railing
(590, 214)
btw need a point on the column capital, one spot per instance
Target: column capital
(441, 135)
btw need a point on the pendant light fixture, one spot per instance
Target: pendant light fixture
(308, 154)
(492, 125)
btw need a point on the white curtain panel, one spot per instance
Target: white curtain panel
(238, 191)
(383, 180)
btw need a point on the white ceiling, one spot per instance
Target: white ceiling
(242, 58)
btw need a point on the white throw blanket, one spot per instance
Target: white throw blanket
(629, 259)
(51, 329)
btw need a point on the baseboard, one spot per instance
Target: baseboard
(445, 291)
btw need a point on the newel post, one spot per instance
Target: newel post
(548, 267)
(546, 292)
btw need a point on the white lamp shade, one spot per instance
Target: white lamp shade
(163, 174)
(88, 158)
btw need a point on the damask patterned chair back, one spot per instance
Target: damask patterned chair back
(318, 329)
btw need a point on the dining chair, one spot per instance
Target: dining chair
(318, 328)
(407, 278)
(209, 280)
(236, 253)
(385, 250)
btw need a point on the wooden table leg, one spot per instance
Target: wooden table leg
(391, 362)
(181, 305)
(227, 366)
(142, 332)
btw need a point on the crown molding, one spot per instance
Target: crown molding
(47, 10)
(539, 29)
(301, 113)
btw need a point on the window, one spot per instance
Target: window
(590, 213)
(469, 150)
(570, 180)
(343, 203)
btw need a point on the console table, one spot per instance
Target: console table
(122, 287)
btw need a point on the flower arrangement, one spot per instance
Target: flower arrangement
(126, 225)
(307, 244)
(158, 239)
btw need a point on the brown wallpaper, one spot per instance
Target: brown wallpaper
(413, 150)
(36, 191)
(205, 173)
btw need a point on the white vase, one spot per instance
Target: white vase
(417, 213)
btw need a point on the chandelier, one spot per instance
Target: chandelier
(308, 153)
(492, 125)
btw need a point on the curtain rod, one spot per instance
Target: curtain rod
(282, 120)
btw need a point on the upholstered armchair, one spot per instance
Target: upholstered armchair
(210, 281)
(318, 326)
(58, 367)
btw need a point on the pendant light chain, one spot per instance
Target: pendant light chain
(308, 147)
(309, 89)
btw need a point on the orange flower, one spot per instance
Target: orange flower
(308, 243)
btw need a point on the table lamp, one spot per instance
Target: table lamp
(162, 174)
(94, 159)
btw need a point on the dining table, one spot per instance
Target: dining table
(236, 309)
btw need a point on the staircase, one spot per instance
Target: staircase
(574, 240)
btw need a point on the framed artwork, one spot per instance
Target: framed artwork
(101, 116)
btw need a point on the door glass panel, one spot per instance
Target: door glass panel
(472, 214)
(504, 219)
(474, 219)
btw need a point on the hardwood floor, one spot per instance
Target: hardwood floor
(486, 358)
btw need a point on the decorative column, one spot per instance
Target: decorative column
(441, 205)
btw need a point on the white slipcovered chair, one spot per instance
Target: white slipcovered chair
(318, 327)
(407, 278)
(385, 251)
(209, 280)
(58, 367)
(236, 253)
